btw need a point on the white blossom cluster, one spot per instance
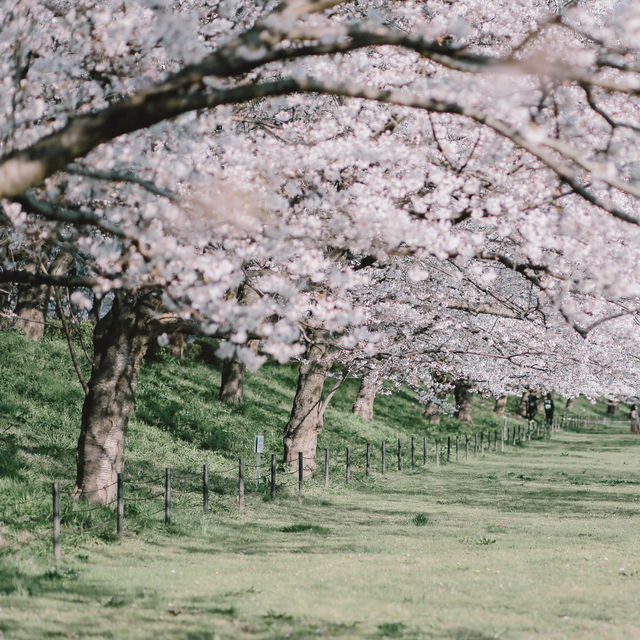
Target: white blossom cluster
(495, 238)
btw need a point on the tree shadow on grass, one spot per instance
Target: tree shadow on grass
(10, 465)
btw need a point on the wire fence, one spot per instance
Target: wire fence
(105, 508)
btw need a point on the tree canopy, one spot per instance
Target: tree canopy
(441, 188)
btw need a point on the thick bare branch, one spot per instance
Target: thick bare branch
(46, 279)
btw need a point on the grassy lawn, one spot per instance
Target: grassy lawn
(541, 541)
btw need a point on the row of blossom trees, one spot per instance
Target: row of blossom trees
(418, 191)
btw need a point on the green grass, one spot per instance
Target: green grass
(538, 542)
(526, 544)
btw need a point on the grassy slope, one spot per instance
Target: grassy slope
(178, 422)
(529, 544)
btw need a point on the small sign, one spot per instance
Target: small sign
(258, 444)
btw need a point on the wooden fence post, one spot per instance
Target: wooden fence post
(413, 452)
(241, 484)
(368, 460)
(495, 440)
(437, 452)
(55, 492)
(457, 449)
(120, 506)
(300, 472)
(167, 496)
(205, 488)
(424, 451)
(448, 449)
(399, 455)
(348, 477)
(466, 444)
(326, 467)
(273, 476)
(482, 443)
(475, 445)
(384, 457)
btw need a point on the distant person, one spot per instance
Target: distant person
(532, 405)
(549, 407)
(634, 418)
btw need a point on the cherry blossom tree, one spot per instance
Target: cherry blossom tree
(454, 187)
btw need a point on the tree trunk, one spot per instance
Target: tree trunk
(522, 406)
(611, 408)
(120, 341)
(570, 402)
(463, 396)
(501, 405)
(369, 387)
(432, 413)
(5, 305)
(307, 414)
(31, 308)
(233, 371)
(232, 381)
(177, 344)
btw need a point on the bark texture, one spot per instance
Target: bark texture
(369, 386)
(307, 414)
(5, 305)
(463, 396)
(570, 402)
(501, 405)
(232, 381)
(177, 345)
(31, 308)
(432, 413)
(120, 341)
(233, 371)
(522, 406)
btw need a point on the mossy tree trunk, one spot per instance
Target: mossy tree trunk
(120, 341)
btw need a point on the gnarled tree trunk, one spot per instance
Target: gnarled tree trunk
(570, 402)
(307, 414)
(120, 341)
(369, 386)
(463, 395)
(501, 405)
